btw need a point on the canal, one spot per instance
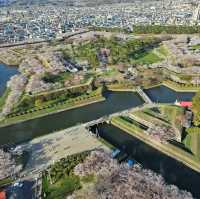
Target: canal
(173, 171)
(6, 72)
(115, 102)
(163, 94)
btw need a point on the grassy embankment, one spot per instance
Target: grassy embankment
(173, 114)
(192, 140)
(85, 99)
(168, 149)
(3, 98)
(180, 87)
(149, 116)
(107, 144)
(196, 47)
(5, 182)
(167, 115)
(175, 86)
(122, 86)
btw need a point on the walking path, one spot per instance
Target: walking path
(50, 148)
(144, 96)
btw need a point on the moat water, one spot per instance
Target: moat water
(6, 72)
(174, 172)
(115, 102)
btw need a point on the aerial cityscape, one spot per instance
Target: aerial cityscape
(99, 99)
(26, 23)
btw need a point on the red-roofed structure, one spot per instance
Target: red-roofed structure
(186, 104)
(2, 195)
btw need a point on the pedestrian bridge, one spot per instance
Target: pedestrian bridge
(144, 96)
(122, 113)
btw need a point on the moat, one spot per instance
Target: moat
(6, 72)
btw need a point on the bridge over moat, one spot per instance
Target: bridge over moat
(144, 96)
(122, 113)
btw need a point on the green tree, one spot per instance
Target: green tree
(196, 108)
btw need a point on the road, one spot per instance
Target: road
(63, 37)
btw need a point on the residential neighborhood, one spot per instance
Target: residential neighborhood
(47, 22)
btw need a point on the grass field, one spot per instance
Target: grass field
(174, 115)
(148, 57)
(112, 72)
(162, 50)
(192, 142)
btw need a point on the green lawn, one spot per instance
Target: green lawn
(168, 116)
(147, 58)
(192, 142)
(163, 50)
(64, 187)
(112, 72)
(173, 114)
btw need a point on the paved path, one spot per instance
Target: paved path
(144, 96)
(50, 148)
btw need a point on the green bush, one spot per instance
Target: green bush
(64, 181)
(67, 186)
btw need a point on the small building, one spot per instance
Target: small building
(185, 104)
(2, 195)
